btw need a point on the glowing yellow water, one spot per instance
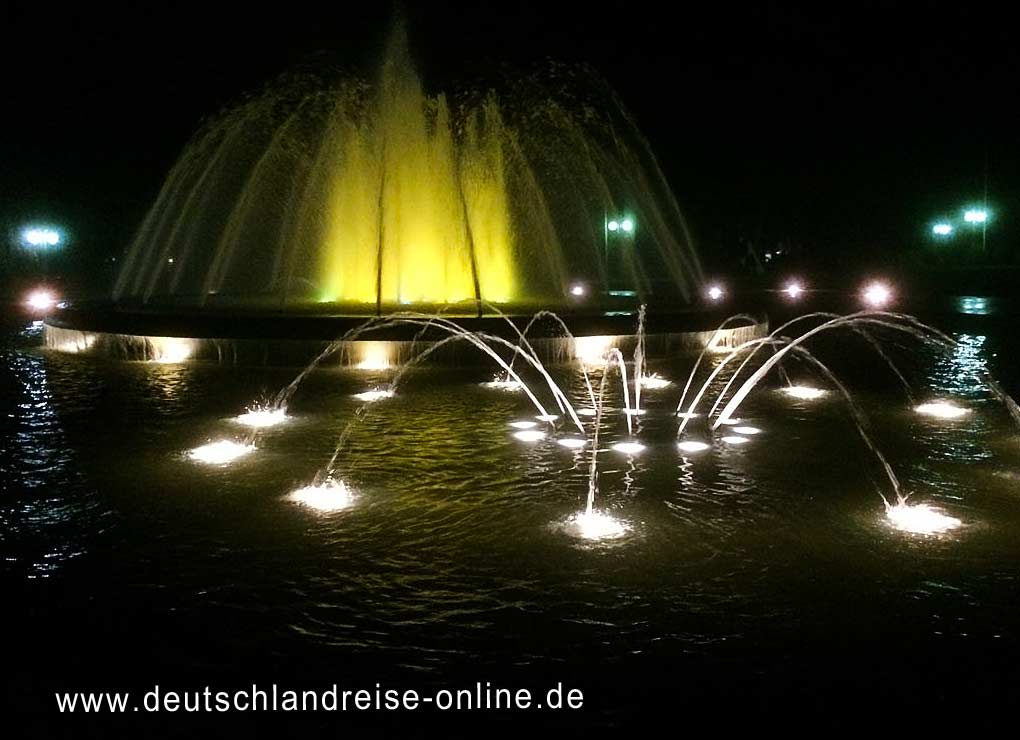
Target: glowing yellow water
(408, 194)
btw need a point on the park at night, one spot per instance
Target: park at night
(433, 369)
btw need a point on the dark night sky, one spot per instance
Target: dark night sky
(844, 127)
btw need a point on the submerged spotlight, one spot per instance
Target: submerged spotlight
(333, 495)
(573, 443)
(262, 417)
(595, 525)
(941, 410)
(920, 519)
(735, 440)
(805, 392)
(374, 395)
(691, 445)
(220, 453)
(629, 448)
(530, 435)
(654, 382)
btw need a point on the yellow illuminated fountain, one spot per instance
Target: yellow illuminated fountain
(364, 197)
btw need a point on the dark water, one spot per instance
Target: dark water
(759, 581)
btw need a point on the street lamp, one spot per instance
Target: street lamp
(942, 229)
(620, 225)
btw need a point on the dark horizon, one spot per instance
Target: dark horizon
(846, 130)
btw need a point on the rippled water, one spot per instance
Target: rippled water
(763, 574)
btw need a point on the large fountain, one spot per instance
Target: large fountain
(360, 197)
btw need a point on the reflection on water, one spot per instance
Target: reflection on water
(755, 546)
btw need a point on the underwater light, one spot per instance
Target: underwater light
(375, 395)
(655, 382)
(530, 435)
(523, 424)
(690, 445)
(595, 525)
(373, 355)
(735, 440)
(547, 417)
(629, 448)
(920, 519)
(503, 384)
(333, 495)
(221, 452)
(573, 443)
(749, 431)
(941, 410)
(803, 391)
(262, 418)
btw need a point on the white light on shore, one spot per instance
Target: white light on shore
(877, 295)
(941, 410)
(920, 519)
(333, 495)
(41, 300)
(690, 445)
(221, 452)
(803, 392)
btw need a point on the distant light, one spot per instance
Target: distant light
(793, 290)
(573, 443)
(170, 261)
(41, 300)
(170, 350)
(715, 293)
(877, 294)
(592, 350)
(942, 229)
(333, 495)
(920, 519)
(613, 225)
(220, 453)
(577, 289)
(803, 391)
(40, 236)
(373, 355)
(690, 445)
(941, 410)
(530, 435)
(629, 448)
(735, 440)
(374, 395)
(975, 215)
(627, 225)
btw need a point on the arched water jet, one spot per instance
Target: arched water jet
(712, 341)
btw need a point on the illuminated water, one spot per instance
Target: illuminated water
(365, 194)
(748, 576)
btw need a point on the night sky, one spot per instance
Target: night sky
(844, 129)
